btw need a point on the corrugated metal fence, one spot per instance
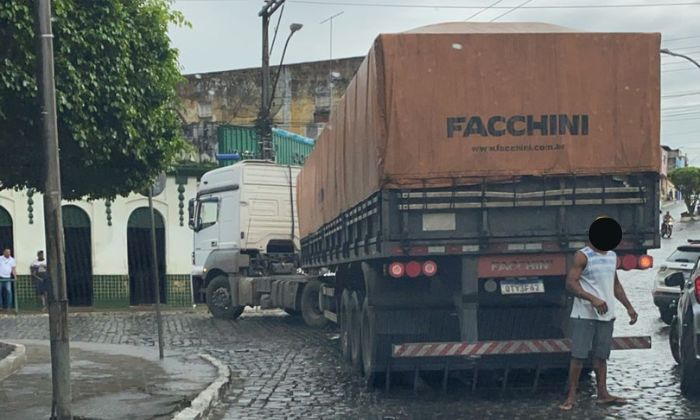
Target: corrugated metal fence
(290, 148)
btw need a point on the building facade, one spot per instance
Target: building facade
(671, 159)
(301, 104)
(107, 246)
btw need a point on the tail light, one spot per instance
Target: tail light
(629, 262)
(429, 268)
(697, 289)
(396, 270)
(413, 269)
(645, 261)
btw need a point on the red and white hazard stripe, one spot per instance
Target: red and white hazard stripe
(485, 348)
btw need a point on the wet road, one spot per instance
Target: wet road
(284, 370)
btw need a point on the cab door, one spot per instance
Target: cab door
(206, 225)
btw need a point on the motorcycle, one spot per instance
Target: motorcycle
(667, 229)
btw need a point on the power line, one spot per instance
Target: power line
(681, 94)
(483, 10)
(677, 70)
(511, 10)
(681, 38)
(451, 6)
(277, 27)
(433, 6)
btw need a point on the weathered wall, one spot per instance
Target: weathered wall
(301, 102)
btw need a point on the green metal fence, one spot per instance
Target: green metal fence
(290, 148)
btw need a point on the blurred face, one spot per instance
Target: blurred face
(6, 252)
(40, 256)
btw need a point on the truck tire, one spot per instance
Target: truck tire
(219, 299)
(667, 315)
(690, 373)
(345, 332)
(370, 346)
(355, 333)
(310, 310)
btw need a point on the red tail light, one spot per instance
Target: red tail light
(697, 289)
(396, 270)
(645, 261)
(413, 269)
(429, 268)
(629, 262)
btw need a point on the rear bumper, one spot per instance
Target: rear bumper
(506, 347)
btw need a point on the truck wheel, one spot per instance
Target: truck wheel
(673, 341)
(219, 299)
(310, 310)
(355, 333)
(370, 344)
(345, 331)
(666, 315)
(690, 375)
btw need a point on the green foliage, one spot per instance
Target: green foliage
(687, 181)
(116, 78)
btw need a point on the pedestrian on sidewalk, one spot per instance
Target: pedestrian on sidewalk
(40, 276)
(594, 283)
(8, 272)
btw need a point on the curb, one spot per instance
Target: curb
(14, 362)
(200, 406)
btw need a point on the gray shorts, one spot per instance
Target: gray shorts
(591, 338)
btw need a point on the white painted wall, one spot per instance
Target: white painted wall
(109, 253)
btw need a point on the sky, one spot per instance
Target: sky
(226, 34)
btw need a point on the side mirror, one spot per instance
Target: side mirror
(190, 211)
(675, 279)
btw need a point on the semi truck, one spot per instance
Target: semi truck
(436, 218)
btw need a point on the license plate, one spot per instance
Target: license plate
(521, 287)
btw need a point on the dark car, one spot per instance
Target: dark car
(681, 260)
(685, 329)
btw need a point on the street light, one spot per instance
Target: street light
(294, 27)
(675, 54)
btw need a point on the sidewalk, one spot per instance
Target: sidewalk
(108, 382)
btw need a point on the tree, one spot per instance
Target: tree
(687, 181)
(116, 79)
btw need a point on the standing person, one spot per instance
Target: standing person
(40, 277)
(593, 281)
(8, 272)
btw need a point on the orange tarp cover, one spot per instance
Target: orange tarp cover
(450, 104)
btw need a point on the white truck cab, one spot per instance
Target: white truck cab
(244, 219)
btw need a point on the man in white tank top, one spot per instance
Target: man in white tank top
(593, 281)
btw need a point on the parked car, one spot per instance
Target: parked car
(681, 260)
(685, 329)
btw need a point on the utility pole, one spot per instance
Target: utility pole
(154, 272)
(53, 224)
(264, 120)
(330, 59)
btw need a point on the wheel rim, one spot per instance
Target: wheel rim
(221, 298)
(315, 308)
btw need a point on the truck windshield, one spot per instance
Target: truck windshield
(208, 213)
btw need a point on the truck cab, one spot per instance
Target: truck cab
(244, 223)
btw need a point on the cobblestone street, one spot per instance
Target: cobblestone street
(282, 369)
